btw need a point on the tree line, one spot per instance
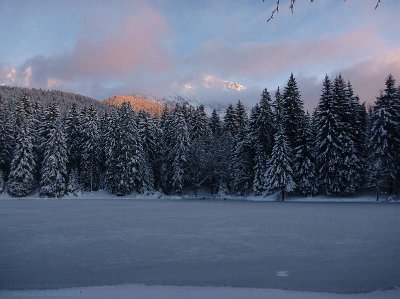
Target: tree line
(338, 149)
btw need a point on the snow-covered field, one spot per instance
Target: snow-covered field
(174, 292)
(249, 248)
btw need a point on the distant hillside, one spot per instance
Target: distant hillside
(63, 99)
(138, 103)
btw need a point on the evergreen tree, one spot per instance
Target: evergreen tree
(180, 150)
(149, 137)
(293, 113)
(198, 160)
(90, 150)
(383, 140)
(265, 124)
(73, 137)
(327, 144)
(110, 148)
(54, 167)
(241, 118)
(47, 124)
(349, 159)
(166, 149)
(304, 167)
(126, 154)
(23, 113)
(261, 135)
(215, 123)
(73, 182)
(279, 174)
(7, 139)
(241, 165)
(21, 180)
(231, 124)
(216, 154)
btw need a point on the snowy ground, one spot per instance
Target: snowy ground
(298, 246)
(173, 292)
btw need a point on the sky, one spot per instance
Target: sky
(212, 52)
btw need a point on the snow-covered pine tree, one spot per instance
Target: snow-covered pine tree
(241, 118)
(89, 149)
(7, 138)
(126, 154)
(179, 151)
(277, 108)
(149, 139)
(216, 154)
(166, 149)
(304, 165)
(259, 171)
(23, 112)
(380, 158)
(279, 174)
(357, 118)
(21, 179)
(258, 155)
(110, 149)
(215, 123)
(198, 160)
(349, 159)
(47, 123)
(293, 113)
(327, 143)
(383, 140)
(73, 137)
(54, 173)
(243, 156)
(266, 128)
(231, 124)
(262, 138)
(73, 186)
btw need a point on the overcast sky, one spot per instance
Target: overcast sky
(197, 49)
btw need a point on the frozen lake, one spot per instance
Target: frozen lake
(326, 247)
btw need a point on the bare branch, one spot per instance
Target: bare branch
(276, 10)
(291, 7)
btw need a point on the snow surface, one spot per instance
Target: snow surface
(173, 292)
(205, 195)
(300, 246)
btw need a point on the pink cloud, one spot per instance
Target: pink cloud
(257, 60)
(138, 43)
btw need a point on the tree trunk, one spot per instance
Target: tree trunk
(283, 195)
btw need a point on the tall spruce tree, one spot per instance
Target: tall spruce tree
(279, 173)
(327, 142)
(304, 162)
(54, 173)
(293, 113)
(383, 140)
(21, 180)
(7, 139)
(73, 137)
(216, 154)
(166, 149)
(125, 154)
(89, 147)
(179, 151)
(262, 138)
(198, 161)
